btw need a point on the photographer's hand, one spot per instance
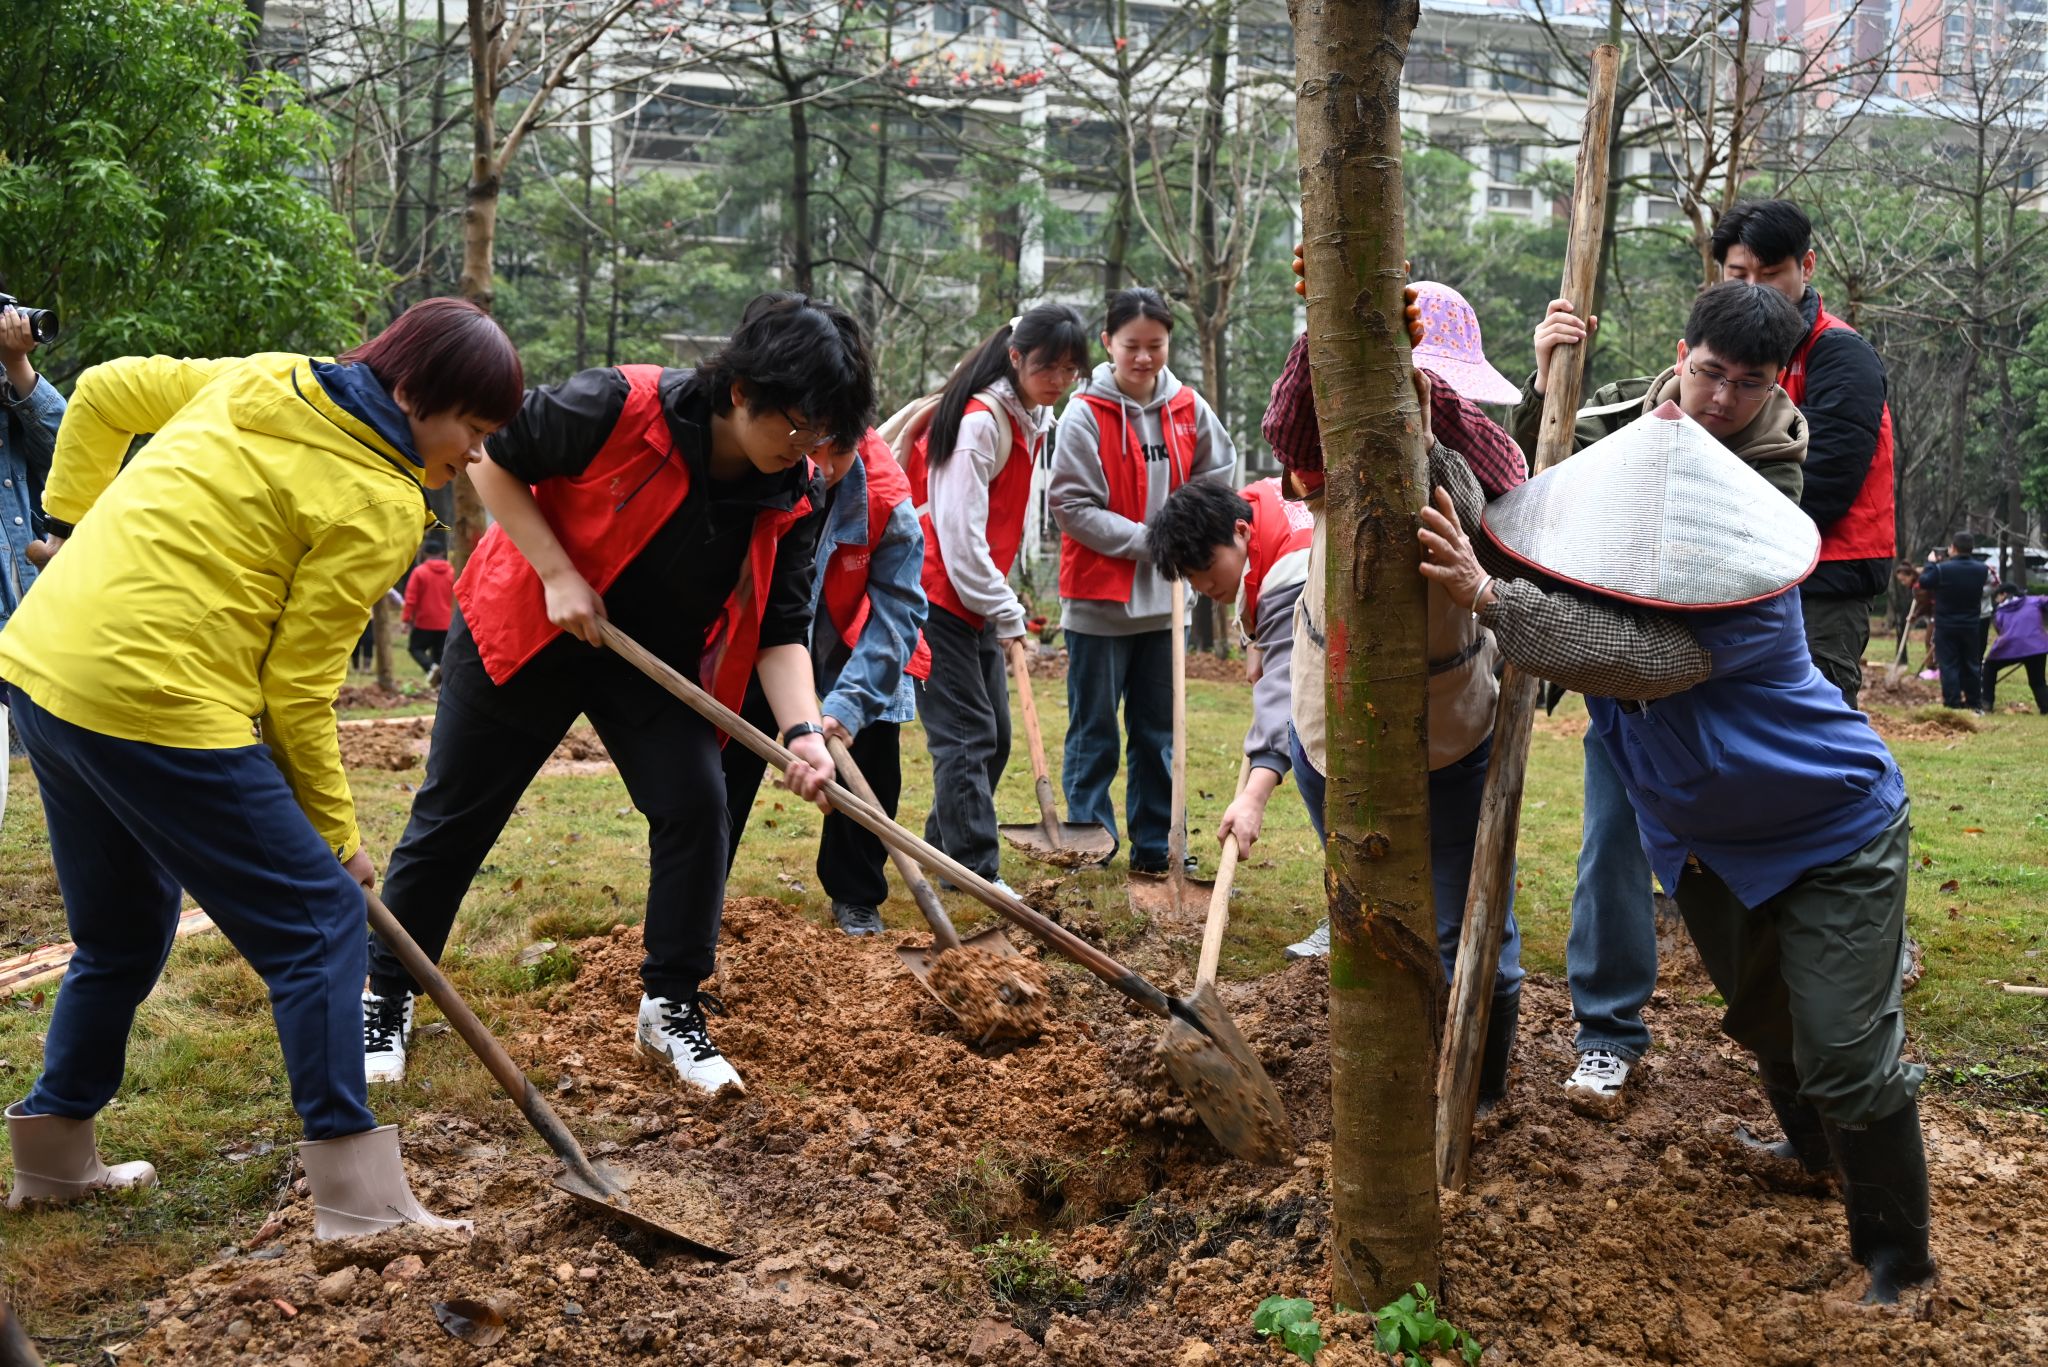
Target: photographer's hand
(17, 340)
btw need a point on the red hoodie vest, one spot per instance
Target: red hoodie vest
(1009, 503)
(1089, 574)
(845, 590)
(1868, 530)
(604, 517)
(428, 594)
(1280, 527)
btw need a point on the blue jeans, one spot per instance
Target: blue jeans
(1611, 952)
(132, 822)
(1454, 794)
(1136, 671)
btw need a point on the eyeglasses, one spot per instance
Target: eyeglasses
(1744, 389)
(803, 438)
(1065, 374)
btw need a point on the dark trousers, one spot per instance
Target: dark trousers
(1136, 671)
(1837, 634)
(1959, 657)
(425, 646)
(490, 741)
(130, 823)
(965, 707)
(852, 864)
(2035, 679)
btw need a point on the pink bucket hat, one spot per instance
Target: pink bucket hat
(1451, 348)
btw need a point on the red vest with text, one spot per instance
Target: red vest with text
(604, 517)
(1089, 574)
(1009, 503)
(1867, 531)
(845, 590)
(1280, 527)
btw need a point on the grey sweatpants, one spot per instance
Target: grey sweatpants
(1811, 976)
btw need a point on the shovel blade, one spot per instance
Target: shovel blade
(918, 958)
(1225, 1084)
(1080, 844)
(610, 1200)
(1152, 895)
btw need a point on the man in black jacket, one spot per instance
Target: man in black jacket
(1839, 384)
(1958, 587)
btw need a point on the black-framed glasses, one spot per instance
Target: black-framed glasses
(1744, 389)
(804, 439)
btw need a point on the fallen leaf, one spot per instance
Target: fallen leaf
(1955, 913)
(1973, 830)
(1952, 885)
(517, 883)
(477, 1323)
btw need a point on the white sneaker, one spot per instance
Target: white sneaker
(1316, 946)
(675, 1033)
(387, 1029)
(1595, 1086)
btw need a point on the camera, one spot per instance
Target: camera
(42, 323)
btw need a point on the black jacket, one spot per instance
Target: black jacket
(1846, 391)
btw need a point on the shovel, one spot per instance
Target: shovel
(918, 958)
(1170, 897)
(1069, 844)
(1896, 670)
(1205, 1000)
(593, 1185)
(1213, 1066)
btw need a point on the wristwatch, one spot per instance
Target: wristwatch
(802, 728)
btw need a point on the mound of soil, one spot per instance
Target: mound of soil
(1926, 724)
(400, 743)
(881, 1176)
(370, 696)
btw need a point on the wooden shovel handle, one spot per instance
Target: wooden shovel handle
(1219, 900)
(922, 892)
(1041, 779)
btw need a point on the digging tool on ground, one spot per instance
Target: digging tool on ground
(593, 1185)
(1168, 898)
(1069, 844)
(1896, 670)
(918, 958)
(1214, 1067)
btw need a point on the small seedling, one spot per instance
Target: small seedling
(1292, 1321)
(1410, 1325)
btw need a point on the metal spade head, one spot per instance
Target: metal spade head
(611, 1201)
(1076, 844)
(1222, 1079)
(918, 958)
(1152, 897)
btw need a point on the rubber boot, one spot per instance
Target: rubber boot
(359, 1186)
(1884, 1185)
(1503, 1021)
(1806, 1139)
(56, 1160)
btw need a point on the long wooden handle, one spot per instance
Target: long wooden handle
(1007, 905)
(1177, 834)
(482, 1042)
(1219, 900)
(1041, 780)
(921, 891)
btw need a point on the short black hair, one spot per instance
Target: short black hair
(1963, 542)
(1746, 324)
(1773, 229)
(435, 545)
(799, 355)
(1195, 519)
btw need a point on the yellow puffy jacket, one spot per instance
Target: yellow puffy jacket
(224, 577)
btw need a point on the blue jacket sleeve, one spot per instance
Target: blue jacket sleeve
(41, 413)
(896, 612)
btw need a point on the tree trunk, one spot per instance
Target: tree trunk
(429, 265)
(1119, 248)
(1386, 985)
(800, 258)
(381, 631)
(479, 227)
(583, 246)
(1213, 318)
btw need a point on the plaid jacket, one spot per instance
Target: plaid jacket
(1290, 429)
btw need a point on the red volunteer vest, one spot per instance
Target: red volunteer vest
(1280, 527)
(1009, 503)
(1868, 530)
(845, 590)
(604, 517)
(1089, 574)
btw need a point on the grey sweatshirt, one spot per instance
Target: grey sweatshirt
(957, 495)
(1079, 493)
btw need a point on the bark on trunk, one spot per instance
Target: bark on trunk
(1386, 986)
(382, 628)
(479, 227)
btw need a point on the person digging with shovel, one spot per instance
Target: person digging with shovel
(681, 506)
(224, 574)
(1657, 573)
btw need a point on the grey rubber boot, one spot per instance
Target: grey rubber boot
(56, 1160)
(359, 1186)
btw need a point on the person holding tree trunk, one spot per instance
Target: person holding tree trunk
(680, 505)
(970, 481)
(1131, 436)
(221, 575)
(867, 605)
(1657, 573)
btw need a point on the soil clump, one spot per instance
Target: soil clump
(996, 996)
(400, 743)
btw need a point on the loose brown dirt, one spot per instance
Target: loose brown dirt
(376, 697)
(400, 743)
(877, 1150)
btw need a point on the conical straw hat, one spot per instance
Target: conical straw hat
(1658, 513)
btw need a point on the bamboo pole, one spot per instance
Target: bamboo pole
(1500, 811)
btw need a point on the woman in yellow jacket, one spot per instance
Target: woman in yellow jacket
(173, 675)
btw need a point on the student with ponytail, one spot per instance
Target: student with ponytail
(1132, 436)
(970, 479)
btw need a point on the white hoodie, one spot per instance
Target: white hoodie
(957, 495)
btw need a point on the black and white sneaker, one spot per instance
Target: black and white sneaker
(387, 1029)
(855, 919)
(675, 1033)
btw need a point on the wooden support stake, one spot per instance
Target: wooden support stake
(1500, 811)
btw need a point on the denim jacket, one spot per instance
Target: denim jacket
(870, 685)
(28, 434)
